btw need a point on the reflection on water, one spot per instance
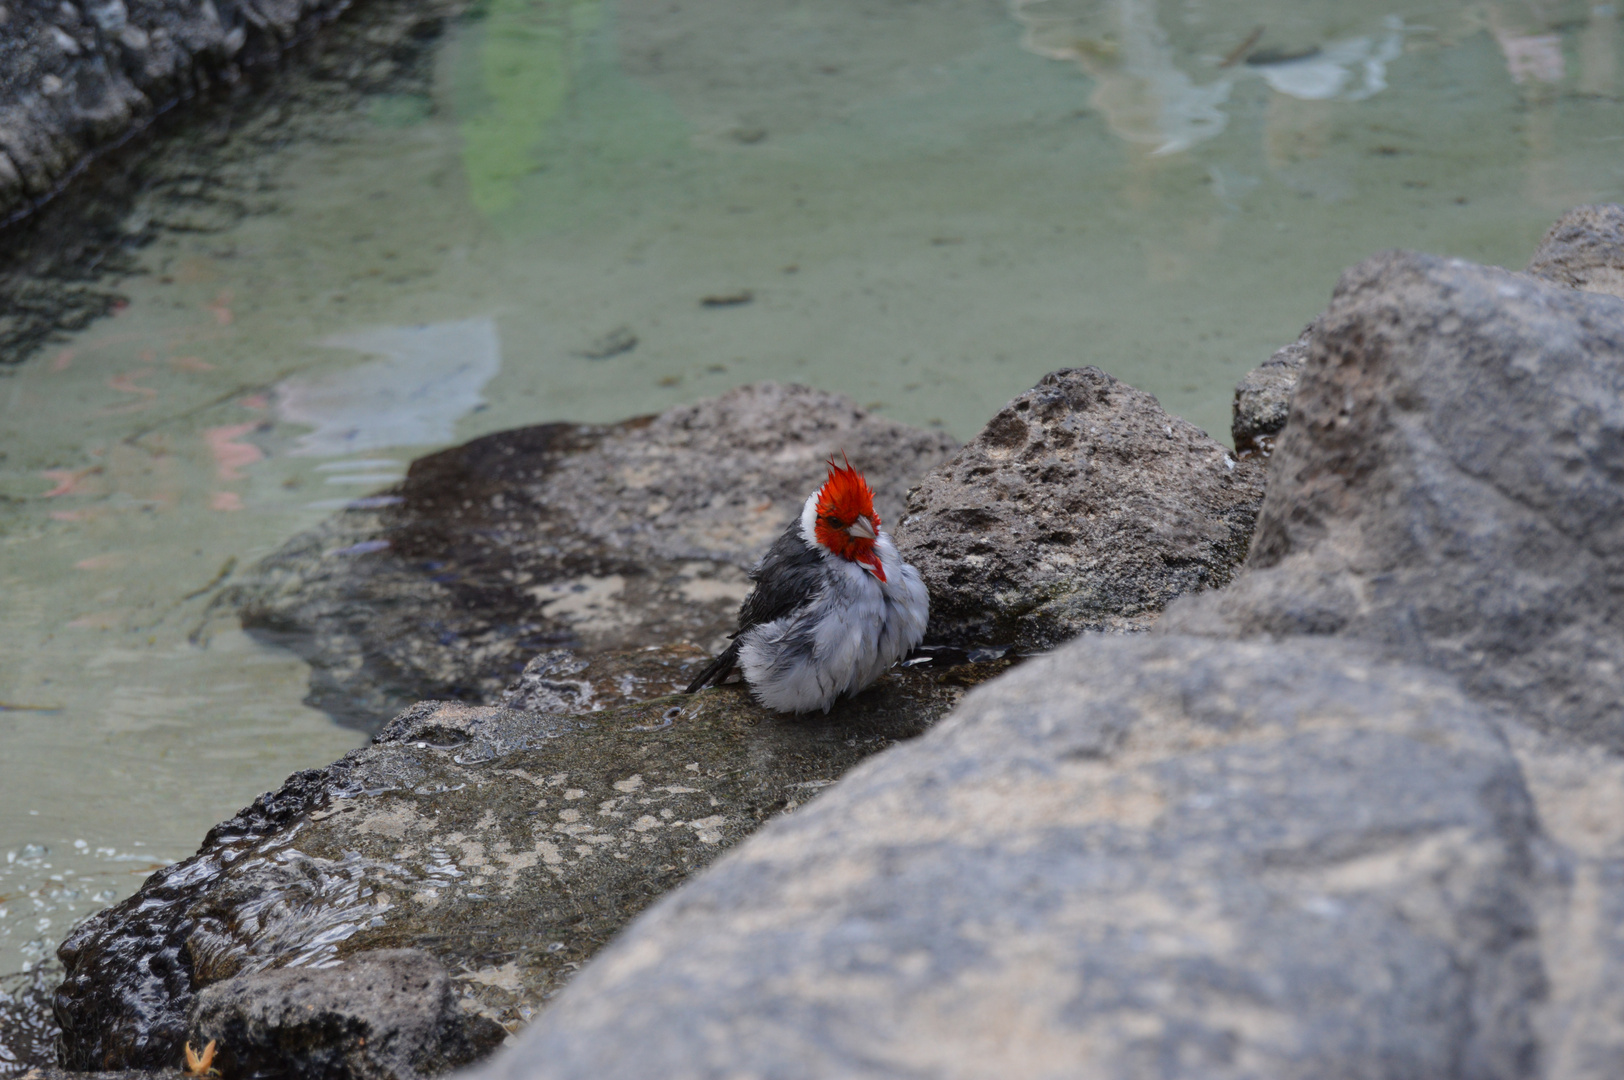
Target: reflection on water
(921, 212)
(430, 378)
(1349, 70)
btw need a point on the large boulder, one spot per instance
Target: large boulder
(1137, 857)
(1583, 250)
(1451, 486)
(510, 845)
(1082, 505)
(1450, 489)
(592, 539)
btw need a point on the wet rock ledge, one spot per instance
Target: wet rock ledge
(76, 77)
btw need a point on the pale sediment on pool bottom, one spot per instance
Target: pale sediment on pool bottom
(429, 378)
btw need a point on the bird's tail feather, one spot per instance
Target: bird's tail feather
(717, 670)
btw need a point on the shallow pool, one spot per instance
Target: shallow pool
(587, 209)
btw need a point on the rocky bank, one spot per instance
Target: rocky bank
(1353, 815)
(561, 580)
(75, 78)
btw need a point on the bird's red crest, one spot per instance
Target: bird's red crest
(842, 500)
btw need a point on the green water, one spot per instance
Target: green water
(928, 205)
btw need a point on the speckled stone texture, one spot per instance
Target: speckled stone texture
(1451, 485)
(1585, 250)
(594, 540)
(1081, 506)
(389, 1014)
(509, 845)
(1450, 488)
(77, 76)
(1141, 856)
(1263, 398)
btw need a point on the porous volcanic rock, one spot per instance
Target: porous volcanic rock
(1263, 398)
(1082, 505)
(1584, 249)
(1140, 856)
(384, 1015)
(592, 539)
(510, 845)
(1451, 485)
(1451, 489)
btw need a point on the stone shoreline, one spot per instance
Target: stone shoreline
(76, 79)
(1349, 807)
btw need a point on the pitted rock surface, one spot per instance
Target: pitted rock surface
(1451, 485)
(509, 845)
(1584, 249)
(587, 539)
(1140, 856)
(1081, 506)
(384, 1015)
(74, 78)
(1449, 489)
(1263, 398)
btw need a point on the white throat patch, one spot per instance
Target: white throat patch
(809, 523)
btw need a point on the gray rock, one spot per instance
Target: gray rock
(384, 1015)
(1150, 856)
(509, 845)
(1081, 506)
(1584, 249)
(76, 79)
(1263, 399)
(1451, 486)
(1450, 491)
(595, 540)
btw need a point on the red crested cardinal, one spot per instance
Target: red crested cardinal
(833, 607)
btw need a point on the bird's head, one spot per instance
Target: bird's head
(846, 523)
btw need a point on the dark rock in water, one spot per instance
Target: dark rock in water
(1452, 486)
(385, 1015)
(1144, 856)
(590, 539)
(509, 845)
(1081, 506)
(1584, 249)
(1263, 398)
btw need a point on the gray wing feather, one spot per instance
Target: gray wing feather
(787, 578)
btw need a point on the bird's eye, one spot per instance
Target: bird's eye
(832, 522)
